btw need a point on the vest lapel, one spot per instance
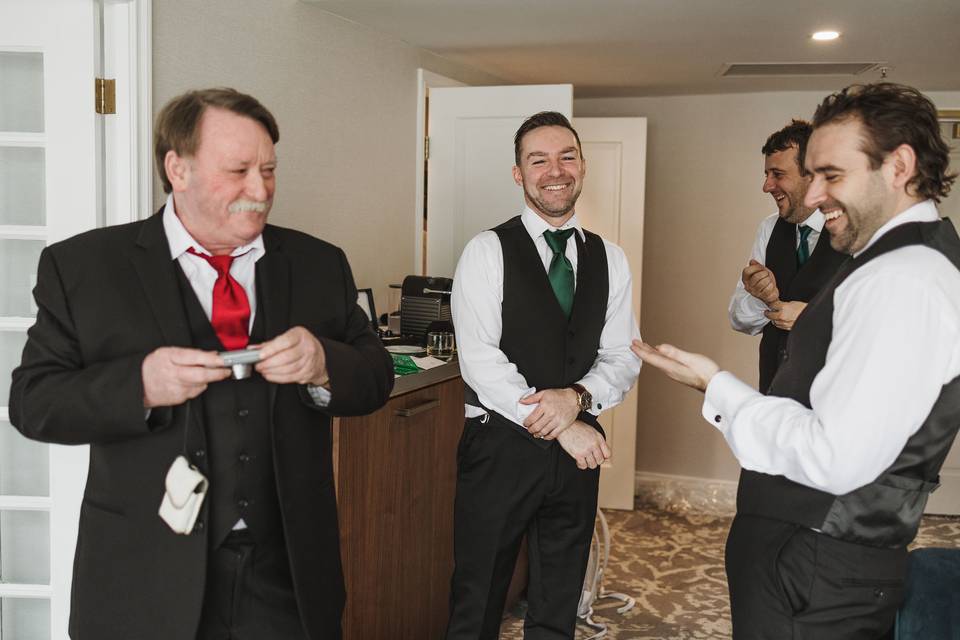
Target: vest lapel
(817, 271)
(539, 277)
(781, 255)
(823, 244)
(584, 278)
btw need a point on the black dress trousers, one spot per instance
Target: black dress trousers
(789, 582)
(249, 593)
(508, 486)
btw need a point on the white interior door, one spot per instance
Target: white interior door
(47, 193)
(470, 187)
(611, 204)
(946, 499)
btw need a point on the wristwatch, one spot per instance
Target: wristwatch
(584, 399)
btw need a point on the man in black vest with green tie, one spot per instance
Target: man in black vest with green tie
(840, 455)
(544, 319)
(791, 257)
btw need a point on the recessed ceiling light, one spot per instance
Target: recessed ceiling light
(826, 35)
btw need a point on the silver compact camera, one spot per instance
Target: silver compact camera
(240, 362)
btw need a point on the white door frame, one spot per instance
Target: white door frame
(425, 80)
(126, 138)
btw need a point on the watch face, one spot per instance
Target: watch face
(586, 400)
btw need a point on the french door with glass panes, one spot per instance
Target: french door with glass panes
(47, 193)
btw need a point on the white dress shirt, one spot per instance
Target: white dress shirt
(895, 343)
(476, 302)
(745, 311)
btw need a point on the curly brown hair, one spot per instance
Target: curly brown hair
(796, 134)
(895, 114)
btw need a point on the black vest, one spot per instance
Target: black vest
(238, 457)
(794, 284)
(886, 512)
(549, 351)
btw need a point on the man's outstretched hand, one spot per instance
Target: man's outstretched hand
(692, 369)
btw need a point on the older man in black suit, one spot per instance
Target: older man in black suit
(123, 356)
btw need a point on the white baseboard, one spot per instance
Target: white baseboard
(946, 499)
(685, 493)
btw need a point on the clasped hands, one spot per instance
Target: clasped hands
(760, 282)
(555, 418)
(173, 375)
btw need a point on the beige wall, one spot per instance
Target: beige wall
(345, 99)
(704, 174)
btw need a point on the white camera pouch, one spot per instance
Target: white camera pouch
(181, 503)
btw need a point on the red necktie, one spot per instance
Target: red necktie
(231, 309)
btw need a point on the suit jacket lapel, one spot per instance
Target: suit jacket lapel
(273, 279)
(151, 260)
(273, 285)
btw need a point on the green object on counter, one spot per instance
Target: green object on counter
(403, 365)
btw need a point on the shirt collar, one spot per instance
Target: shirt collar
(815, 221)
(925, 211)
(179, 239)
(535, 225)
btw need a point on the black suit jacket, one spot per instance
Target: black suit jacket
(106, 299)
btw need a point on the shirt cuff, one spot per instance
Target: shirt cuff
(320, 396)
(524, 410)
(724, 397)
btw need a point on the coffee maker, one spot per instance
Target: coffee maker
(424, 300)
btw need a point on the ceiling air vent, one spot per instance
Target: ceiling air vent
(755, 69)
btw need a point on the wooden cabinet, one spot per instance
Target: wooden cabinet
(396, 479)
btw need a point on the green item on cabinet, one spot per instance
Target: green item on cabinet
(403, 365)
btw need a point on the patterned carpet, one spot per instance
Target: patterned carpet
(671, 562)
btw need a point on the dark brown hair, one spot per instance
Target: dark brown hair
(178, 123)
(796, 134)
(892, 115)
(542, 119)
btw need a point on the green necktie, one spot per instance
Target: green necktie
(803, 251)
(561, 271)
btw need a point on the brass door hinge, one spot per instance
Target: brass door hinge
(426, 148)
(105, 90)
